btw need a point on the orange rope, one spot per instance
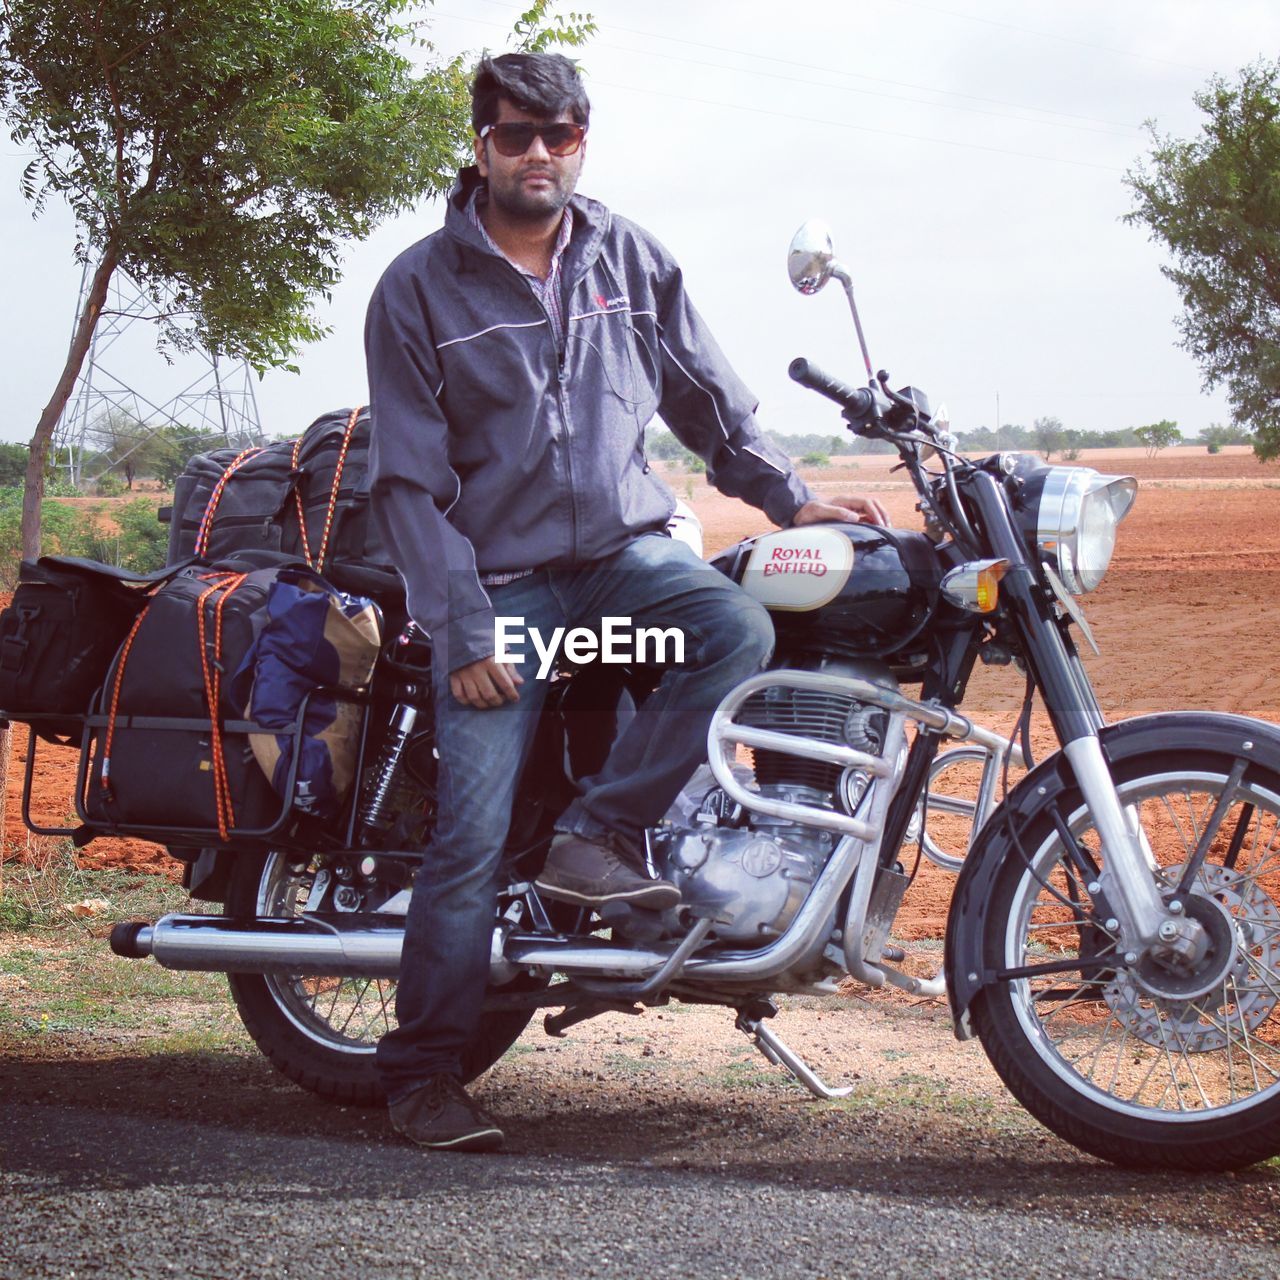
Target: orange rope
(337, 481)
(206, 520)
(302, 511)
(115, 698)
(224, 583)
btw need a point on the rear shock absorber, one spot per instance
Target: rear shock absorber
(403, 721)
(373, 812)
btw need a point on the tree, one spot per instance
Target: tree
(1159, 435)
(1048, 435)
(1214, 201)
(222, 155)
(1216, 435)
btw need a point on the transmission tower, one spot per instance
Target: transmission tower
(196, 391)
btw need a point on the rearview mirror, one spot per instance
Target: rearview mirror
(811, 256)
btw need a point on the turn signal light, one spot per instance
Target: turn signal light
(975, 586)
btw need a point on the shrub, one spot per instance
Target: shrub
(140, 544)
(144, 541)
(815, 460)
(13, 463)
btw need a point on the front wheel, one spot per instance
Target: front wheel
(321, 1032)
(1098, 1047)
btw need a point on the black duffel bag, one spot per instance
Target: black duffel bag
(58, 637)
(176, 666)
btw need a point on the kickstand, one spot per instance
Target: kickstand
(556, 1024)
(751, 1023)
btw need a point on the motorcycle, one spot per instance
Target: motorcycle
(1114, 935)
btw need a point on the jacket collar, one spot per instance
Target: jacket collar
(591, 222)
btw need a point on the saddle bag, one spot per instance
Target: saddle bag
(173, 749)
(58, 637)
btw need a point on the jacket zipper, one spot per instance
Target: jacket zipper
(560, 356)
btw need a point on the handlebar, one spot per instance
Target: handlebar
(858, 401)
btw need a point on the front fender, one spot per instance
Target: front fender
(1200, 731)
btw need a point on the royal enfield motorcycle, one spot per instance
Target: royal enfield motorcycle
(1114, 935)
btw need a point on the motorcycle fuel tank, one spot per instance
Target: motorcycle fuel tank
(855, 588)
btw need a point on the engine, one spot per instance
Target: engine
(751, 871)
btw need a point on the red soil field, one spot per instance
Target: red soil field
(1188, 617)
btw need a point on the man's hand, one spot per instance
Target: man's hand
(857, 508)
(485, 683)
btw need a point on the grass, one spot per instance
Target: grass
(752, 1073)
(35, 895)
(58, 975)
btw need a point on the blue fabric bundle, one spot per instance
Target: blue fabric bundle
(314, 638)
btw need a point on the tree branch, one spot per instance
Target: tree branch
(116, 110)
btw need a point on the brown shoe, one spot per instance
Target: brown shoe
(592, 873)
(442, 1116)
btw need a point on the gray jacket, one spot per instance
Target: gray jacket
(495, 451)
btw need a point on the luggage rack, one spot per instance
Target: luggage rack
(93, 723)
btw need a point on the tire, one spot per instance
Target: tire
(1145, 1080)
(322, 1032)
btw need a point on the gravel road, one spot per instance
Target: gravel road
(91, 1194)
(652, 1146)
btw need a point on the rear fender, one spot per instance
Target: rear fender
(1197, 731)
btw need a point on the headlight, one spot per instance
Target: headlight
(1076, 519)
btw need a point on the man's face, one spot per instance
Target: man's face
(536, 185)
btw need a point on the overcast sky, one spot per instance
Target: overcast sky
(968, 155)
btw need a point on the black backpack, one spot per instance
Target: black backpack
(307, 498)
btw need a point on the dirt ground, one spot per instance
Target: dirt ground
(1188, 617)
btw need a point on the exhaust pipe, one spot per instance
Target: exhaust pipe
(219, 944)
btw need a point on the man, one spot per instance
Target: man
(515, 358)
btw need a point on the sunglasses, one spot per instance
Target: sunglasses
(514, 139)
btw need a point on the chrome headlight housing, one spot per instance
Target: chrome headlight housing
(1075, 523)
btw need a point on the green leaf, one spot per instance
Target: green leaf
(1214, 203)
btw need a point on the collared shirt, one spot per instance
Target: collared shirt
(546, 291)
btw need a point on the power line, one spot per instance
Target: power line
(1107, 131)
(808, 66)
(1053, 35)
(827, 122)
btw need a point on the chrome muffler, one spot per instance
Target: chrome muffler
(219, 944)
(367, 948)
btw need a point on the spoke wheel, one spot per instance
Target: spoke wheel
(1128, 1060)
(322, 1031)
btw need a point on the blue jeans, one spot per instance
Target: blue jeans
(655, 581)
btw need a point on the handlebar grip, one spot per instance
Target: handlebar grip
(857, 400)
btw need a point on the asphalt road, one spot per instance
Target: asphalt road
(84, 1192)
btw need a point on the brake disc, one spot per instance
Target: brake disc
(1241, 1002)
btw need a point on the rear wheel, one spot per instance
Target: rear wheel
(1120, 1056)
(321, 1032)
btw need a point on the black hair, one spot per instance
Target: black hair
(545, 84)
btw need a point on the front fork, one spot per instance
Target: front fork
(1131, 891)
